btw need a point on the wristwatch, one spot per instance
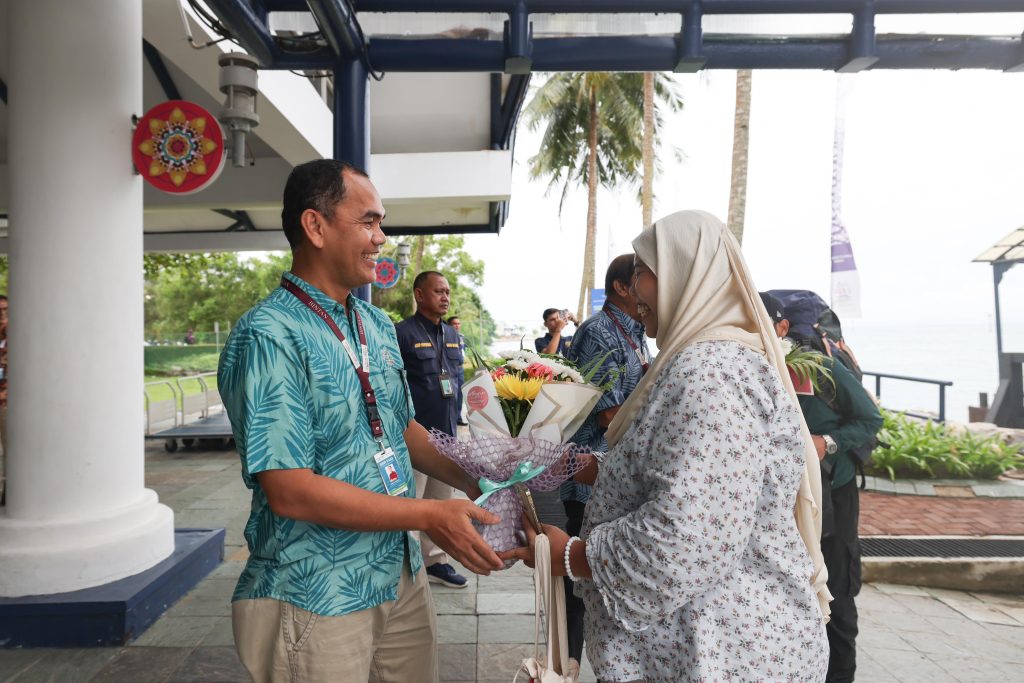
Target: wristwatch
(830, 444)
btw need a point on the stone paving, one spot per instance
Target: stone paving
(912, 515)
(951, 488)
(907, 633)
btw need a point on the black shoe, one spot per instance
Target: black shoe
(445, 574)
(462, 423)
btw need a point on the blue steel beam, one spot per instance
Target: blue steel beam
(659, 53)
(352, 122)
(156, 63)
(504, 112)
(674, 6)
(690, 50)
(249, 27)
(862, 42)
(338, 23)
(476, 228)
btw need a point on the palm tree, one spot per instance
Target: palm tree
(591, 121)
(647, 190)
(740, 153)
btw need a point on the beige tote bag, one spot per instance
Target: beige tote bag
(556, 666)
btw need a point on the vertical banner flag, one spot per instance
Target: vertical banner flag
(597, 299)
(845, 280)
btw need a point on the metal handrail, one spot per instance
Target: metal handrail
(174, 395)
(204, 388)
(941, 383)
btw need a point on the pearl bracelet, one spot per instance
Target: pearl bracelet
(568, 566)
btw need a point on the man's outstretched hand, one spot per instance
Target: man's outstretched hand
(450, 526)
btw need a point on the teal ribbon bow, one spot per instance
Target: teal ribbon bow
(524, 473)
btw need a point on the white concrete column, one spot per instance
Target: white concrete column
(78, 513)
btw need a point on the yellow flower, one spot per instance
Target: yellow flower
(517, 389)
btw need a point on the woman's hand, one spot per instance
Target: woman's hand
(556, 539)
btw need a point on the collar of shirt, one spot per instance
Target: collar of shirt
(333, 307)
(632, 326)
(427, 323)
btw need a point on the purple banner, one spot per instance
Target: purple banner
(845, 280)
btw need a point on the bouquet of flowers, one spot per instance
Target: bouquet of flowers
(521, 414)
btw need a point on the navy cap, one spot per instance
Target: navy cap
(774, 307)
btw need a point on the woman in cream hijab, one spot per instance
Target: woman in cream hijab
(700, 556)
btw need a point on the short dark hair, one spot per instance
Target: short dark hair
(451, 318)
(422, 278)
(619, 270)
(317, 185)
(549, 311)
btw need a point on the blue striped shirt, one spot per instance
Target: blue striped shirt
(596, 337)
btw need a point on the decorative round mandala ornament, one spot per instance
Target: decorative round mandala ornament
(178, 147)
(388, 273)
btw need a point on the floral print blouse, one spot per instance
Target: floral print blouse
(699, 571)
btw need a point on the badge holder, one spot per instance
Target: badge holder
(447, 391)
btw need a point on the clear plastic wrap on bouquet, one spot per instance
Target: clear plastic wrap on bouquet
(492, 453)
(496, 458)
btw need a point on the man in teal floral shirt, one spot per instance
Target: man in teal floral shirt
(313, 382)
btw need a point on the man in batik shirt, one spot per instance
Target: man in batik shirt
(616, 335)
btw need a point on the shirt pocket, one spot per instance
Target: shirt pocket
(425, 359)
(454, 356)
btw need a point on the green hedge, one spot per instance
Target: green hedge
(931, 450)
(181, 360)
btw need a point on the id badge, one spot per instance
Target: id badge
(395, 482)
(446, 385)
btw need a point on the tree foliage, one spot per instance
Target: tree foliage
(593, 134)
(194, 291)
(445, 254)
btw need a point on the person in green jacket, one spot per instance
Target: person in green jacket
(841, 417)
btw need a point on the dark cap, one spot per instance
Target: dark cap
(774, 307)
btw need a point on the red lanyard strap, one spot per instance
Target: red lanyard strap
(362, 369)
(625, 335)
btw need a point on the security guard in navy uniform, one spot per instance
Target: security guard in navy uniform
(433, 361)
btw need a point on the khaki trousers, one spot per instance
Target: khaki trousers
(431, 489)
(395, 642)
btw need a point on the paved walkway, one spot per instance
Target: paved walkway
(915, 515)
(907, 633)
(949, 488)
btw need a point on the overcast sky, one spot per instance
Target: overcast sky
(932, 177)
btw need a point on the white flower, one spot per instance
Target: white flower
(517, 364)
(787, 346)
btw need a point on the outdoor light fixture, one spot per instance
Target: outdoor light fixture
(238, 83)
(402, 255)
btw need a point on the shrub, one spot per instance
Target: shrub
(178, 360)
(931, 450)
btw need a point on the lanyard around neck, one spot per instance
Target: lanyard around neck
(440, 343)
(362, 369)
(625, 335)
